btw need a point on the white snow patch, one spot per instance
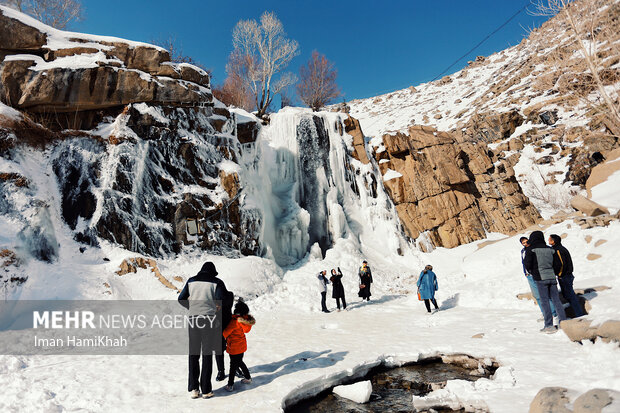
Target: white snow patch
(358, 392)
(153, 111)
(391, 174)
(607, 193)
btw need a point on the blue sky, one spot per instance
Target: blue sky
(377, 47)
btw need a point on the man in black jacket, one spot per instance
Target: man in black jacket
(543, 263)
(565, 275)
(202, 296)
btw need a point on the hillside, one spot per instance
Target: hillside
(535, 105)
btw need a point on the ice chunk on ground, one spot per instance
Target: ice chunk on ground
(357, 392)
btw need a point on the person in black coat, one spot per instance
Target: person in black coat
(365, 280)
(227, 305)
(543, 263)
(565, 274)
(338, 288)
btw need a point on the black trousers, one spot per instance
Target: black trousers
(201, 341)
(219, 358)
(323, 303)
(344, 303)
(428, 304)
(236, 362)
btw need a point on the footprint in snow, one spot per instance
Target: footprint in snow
(330, 326)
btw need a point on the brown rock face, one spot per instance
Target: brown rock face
(352, 127)
(451, 189)
(15, 35)
(38, 78)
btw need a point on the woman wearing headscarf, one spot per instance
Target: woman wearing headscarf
(427, 285)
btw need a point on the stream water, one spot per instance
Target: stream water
(393, 389)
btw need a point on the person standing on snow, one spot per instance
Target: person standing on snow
(338, 288)
(323, 281)
(200, 296)
(530, 279)
(365, 280)
(565, 275)
(236, 343)
(427, 285)
(543, 263)
(227, 308)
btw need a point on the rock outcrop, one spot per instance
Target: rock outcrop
(45, 71)
(448, 188)
(141, 152)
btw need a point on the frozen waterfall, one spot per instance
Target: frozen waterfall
(300, 175)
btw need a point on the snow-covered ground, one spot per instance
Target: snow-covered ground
(296, 350)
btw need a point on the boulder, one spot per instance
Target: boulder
(558, 399)
(550, 399)
(15, 35)
(587, 206)
(578, 329)
(593, 401)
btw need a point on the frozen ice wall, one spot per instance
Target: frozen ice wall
(300, 175)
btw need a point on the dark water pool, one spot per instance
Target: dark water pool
(393, 388)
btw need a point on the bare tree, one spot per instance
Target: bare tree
(317, 86)
(172, 45)
(270, 51)
(55, 13)
(14, 4)
(586, 34)
(235, 90)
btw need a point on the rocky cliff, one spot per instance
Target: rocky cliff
(134, 148)
(447, 189)
(530, 118)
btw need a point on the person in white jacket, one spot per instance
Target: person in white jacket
(323, 281)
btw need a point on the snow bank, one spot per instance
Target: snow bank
(607, 193)
(357, 392)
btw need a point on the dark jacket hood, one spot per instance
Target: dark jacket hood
(556, 239)
(537, 238)
(207, 270)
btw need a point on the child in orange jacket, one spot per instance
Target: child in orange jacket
(236, 344)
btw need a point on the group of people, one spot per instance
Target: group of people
(544, 266)
(365, 279)
(201, 295)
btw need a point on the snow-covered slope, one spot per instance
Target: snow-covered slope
(535, 103)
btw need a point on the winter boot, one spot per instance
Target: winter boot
(194, 394)
(220, 376)
(207, 395)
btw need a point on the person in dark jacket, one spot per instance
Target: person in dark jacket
(338, 288)
(202, 295)
(427, 285)
(565, 275)
(530, 279)
(227, 308)
(323, 281)
(365, 280)
(543, 263)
